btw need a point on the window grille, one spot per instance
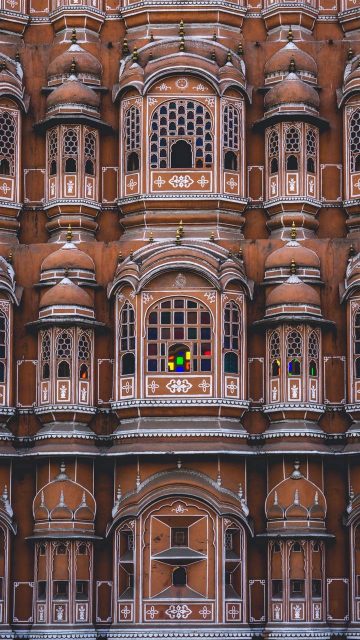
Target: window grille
(90, 152)
(313, 346)
(127, 339)
(294, 344)
(275, 345)
(181, 323)
(184, 120)
(3, 347)
(45, 355)
(355, 142)
(231, 130)
(52, 151)
(274, 144)
(7, 143)
(132, 129)
(70, 150)
(292, 140)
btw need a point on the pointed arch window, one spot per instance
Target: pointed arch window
(187, 121)
(313, 354)
(3, 347)
(273, 150)
(231, 341)
(292, 149)
(45, 355)
(64, 349)
(311, 150)
(275, 362)
(294, 352)
(127, 339)
(132, 138)
(70, 150)
(354, 135)
(90, 153)
(231, 137)
(53, 151)
(84, 356)
(8, 141)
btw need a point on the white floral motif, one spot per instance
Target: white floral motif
(83, 394)
(82, 612)
(205, 612)
(210, 101)
(41, 613)
(70, 186)
(131, 184)
(125, 612)
(233, 613)
(182, 83)
(89, 189)
(179, 386)
(294, 392)
(210, 296)
(317, 612)
(311, 186)
(45, 393)
(163, 87)
(292, 184)
(152, 101)
(153, 386)
(178, 612)
(159, 182)
(63, 392)
(5, 188)
(277, 612)
(60, 614)
(297, 610)
(313, 392)
(232, 183)
(52, 189)
(179, 508)
(204, 386)
(152, 612)
(274, 393)
(126, 387)
(203, 182)
(181, 182)
(273, 188)
(232, 386)
(147, 297)
(200, 87)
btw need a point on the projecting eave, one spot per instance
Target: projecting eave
(296, 533)
(291, 116)
(64, 535)
(66, 322)
(76, 118)
(294, 319)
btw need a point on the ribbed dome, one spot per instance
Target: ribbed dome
(85, 63)
(291, 90)
(66, 292)
(68, 257)
(292, 250)
(279, 62)
(293, 291)
(73, 92)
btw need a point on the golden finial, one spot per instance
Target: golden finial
(214, 37)
(230, 253)
(181, 29)
(125, 47)
(213, 56)
(135, 54)
(17, 56)
(151, 37)
(212, 237)
(290, 36)
(240, 254)
(292, 66)
(73, 67)
(131, 255)
(229, 56)
(351, 252)
(182, 44)
(293, 232)
(69, 234)
(293, 267)
(181, 228)
(240, 49)
(177, 237)
(66, 272)
(350, 54)
(151, 237)
(74, 36)
(10, 257)
(2, 65)
(120, 257)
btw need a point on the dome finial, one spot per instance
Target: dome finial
(73, 36)
(73, 67)
(293, 267)
(178, 236)
(135, 54)
(293, 232)
(17, 56)
(350, 54)
(125, 47)
(182, 44)
(352, 251)
(181, 29)
(2, 65)
(181, 228)
(296, 474)
(69, 234)
(290, 35)
(10, 257)
(240, 49)
(151, 237)
(229, 56)
(292, 66)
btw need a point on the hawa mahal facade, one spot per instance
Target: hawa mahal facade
(179, 319)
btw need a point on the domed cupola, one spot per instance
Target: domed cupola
(278, 263)
(66, 299)
(73, 96)
(277, 66)
(64, 506)
(291, 95)
(293, 298)
(295, 505)
(70, 260)
(88, 67)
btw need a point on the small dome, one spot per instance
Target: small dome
(292, 250)
(291, 90)
(73, 92)
(296, 499)
(66, 292)
(279, 62)
(68, 259)
(354, 75)
(86, 64)
(293, 291)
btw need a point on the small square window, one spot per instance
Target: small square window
(82, 590)
(179, 537)
(297, 588)
(41, 590)
(61, 589)
(316, 588)
(277, 588)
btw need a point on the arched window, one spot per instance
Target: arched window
(179, 577)
(8, 138)
(294, 352)
(273, 151)
(45, 355)
(52, 151)
(64, 344)
(313, 354)
(274, 347)
(90, 153)
(187, 121)
(181, 155)
(179, 358)
(179, 322)
(132, 138)
(84, 356)
(3, 347)
(127, 339)
(354, 136)
(292, 148)
(70, 150)
(231, 340)
(357, 368)
(231, 137)
(311, 150)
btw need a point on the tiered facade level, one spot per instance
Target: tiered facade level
(179, 319)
